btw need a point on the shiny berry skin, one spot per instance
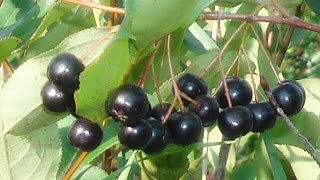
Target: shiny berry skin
(160, 137)
(192, 86)
(235, 121)
(239, 91)
(128, 103)
(264, 116)
(64, 71)
(207, 108)
(53, 98)
(159, 111)
(84, 134)
(290, 96)
(137, 136)
(185, 129)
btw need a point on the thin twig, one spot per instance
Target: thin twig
(287, 38)
(292, 21)
(256, 98)
(97, 6)
(75, 165)
(170, 110)
(223, 157)
(174, 83)
(313, 151)
(188, 98)
(111, 15)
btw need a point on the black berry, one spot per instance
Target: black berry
(84, 134)
(64, 71)
(160, 110)
(290, 96)
(235, 121)
(239, 91)
(185, 128)
(160, 137)
(137, 136)
(207, 108)
(264, 116)
(53, 98)
(128, 103)
(192, 86)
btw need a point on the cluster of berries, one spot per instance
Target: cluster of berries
(143, 127)
(57, 96)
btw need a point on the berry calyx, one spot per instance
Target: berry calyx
(53, 98)
(64, 71)
(235, 121)
(185, 128)
(128, 103)
(159, 139)
(192, 86)
(239, 91)
(137, 136)
(207, 108)
(84, 134)
(290, 96)
(264, 116)
(159, 111)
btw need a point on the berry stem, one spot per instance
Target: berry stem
(7, 68)
(97, 43)
(97, 6)
(117, 151)
(223, 157)
(205, 154)
(175, 86)
(312, 150)
(75, 165)
(170, 110)
(188, 98)
(256, 98)
(146, 68)
(222, 50)
(225, 86)
(106, 161)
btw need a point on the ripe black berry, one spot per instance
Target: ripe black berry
(159, 139)
(84, 134)
(290, 96)
(264, 116)
(192, 86)
(239, 90)
(128, 103)
(185, 129)
(160, 110)
(207, 108)
(64, 71)
(137, 136)
(235, 121)
(53, 98)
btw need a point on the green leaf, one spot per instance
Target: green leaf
(98, 79)
(89, 172)
(149, 20)
(307, 121)
(7, 45)
(125, 173)
(33, 156)
(23, 88)
(21, 18)
(68, 20)
(276, 167)
(302, 163)
(314, 5)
